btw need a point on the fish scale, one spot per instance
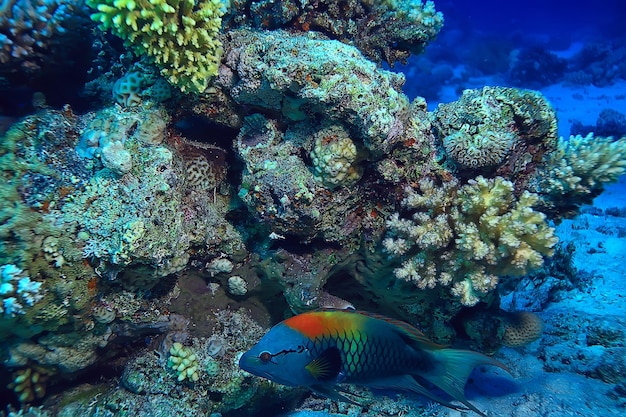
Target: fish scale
(362, 358)
(327, 348)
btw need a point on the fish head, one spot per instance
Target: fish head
(281, 356)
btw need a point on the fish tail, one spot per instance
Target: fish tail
(454, 369)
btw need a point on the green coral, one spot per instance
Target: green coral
(180, 36)
(465, 237)
(577, 170)
(184, 362)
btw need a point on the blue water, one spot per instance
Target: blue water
(209, 239)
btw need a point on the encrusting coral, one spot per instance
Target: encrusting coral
(178, 35)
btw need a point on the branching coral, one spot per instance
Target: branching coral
(17, 290)
(577, 170)
(465, 237)
(184, 362)
(180, 36)
(27, 27)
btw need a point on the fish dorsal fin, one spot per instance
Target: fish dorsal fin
(326, 366)
(412, 335)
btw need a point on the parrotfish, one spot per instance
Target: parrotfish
(324, 349)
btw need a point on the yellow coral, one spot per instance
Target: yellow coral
(468, 236)
(30, 383)
(518, 236)
(180, 36)
(577, 170)
(334, 158)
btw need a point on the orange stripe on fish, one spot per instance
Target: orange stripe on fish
(319, 324)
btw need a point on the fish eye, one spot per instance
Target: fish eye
(265, 356)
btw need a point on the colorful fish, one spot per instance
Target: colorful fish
(325, 348)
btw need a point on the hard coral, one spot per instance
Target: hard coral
(386, 30)
(180, 36)
(17, 291)
(27, 28)
(184, 362)
(330, 81)
(467, 236)
(576, 172)
(334, 158)
(497, 131)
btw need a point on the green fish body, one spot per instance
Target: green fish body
(322, 349)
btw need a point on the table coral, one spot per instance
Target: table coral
(178, 35)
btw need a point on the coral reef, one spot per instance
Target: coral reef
(176, 35)
(497, 131)
(161, 222)
(467, 236)
(575, 173)
(609, 123)
(386, 30)
(599, 64)
(28, 29)
(536, 67)
(326, 78)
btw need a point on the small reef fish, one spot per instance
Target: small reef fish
(322, 349)
(327, 301)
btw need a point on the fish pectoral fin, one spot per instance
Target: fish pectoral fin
(326, 366)
(332, 393)
(408, 383)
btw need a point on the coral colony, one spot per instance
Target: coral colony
(254, 156)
